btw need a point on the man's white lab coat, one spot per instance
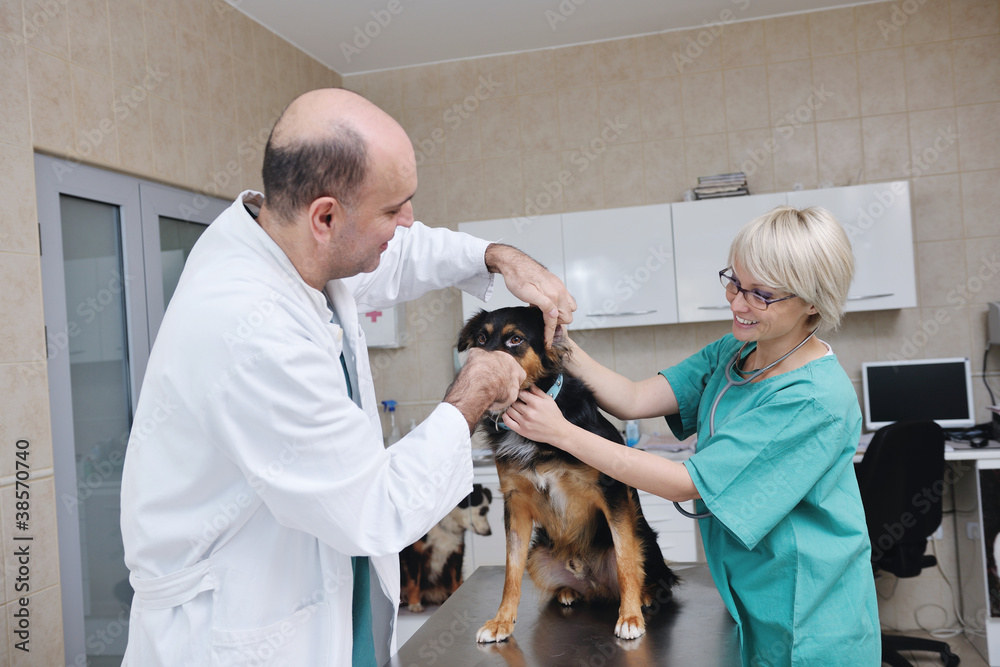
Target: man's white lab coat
(251, 478)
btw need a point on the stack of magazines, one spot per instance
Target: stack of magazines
(721, 185)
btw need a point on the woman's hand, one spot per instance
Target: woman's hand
(536, 416)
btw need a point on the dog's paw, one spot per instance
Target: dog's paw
(630, 627)
(495, 631)
(567, 596)
(416, 608)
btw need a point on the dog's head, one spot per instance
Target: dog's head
(520, 332)
(478, 504)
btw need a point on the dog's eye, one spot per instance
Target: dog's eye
(481, 339)
(514, 341)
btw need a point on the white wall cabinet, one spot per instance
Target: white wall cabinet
(620, 266)
(539, 237)
(615, 262)
(703, 232)
(878, 222)
(384, 328)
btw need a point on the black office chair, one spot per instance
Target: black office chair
(903, 462)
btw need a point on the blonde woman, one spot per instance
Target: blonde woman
(778, 423)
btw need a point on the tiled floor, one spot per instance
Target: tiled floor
(960, 646)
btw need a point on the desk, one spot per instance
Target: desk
(693, 628)
(968, 471)
(956, 451)
(974, 475)
(963, 451)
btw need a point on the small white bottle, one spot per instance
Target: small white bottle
(631, 432)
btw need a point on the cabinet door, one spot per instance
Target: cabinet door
(539, 236)
(384, 328)
(877, 220)
(620, 266)
(675, 533)
(703, 232)
(487, 549)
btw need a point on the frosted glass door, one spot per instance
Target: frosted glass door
(173, 220)
(101, 405)
(104, 283)
(177, 237)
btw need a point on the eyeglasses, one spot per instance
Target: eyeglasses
(753, 297)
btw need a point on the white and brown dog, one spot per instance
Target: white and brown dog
(430, 569)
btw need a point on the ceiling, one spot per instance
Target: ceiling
(355, 36)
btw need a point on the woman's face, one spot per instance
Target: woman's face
(781, 320)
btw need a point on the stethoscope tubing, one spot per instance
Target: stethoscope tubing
(730, 382)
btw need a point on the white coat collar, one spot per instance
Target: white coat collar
(253, 200)
(340, 296)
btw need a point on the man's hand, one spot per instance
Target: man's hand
(489, 380)
(532, 283)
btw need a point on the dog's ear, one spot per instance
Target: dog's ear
(476, 497)
(464, 502)
(557, 351)
(467, 336)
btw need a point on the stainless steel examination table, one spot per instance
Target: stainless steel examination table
(693, 629)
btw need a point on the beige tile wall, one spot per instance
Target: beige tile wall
(183, 92)
(859, 94)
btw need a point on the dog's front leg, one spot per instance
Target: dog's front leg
(413, 597)
(518, 524)
(628, 553)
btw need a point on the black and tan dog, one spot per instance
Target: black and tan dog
(580, 534)
(430, 569)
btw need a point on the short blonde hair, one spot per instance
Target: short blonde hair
(805, 252)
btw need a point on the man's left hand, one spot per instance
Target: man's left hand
(532, 283)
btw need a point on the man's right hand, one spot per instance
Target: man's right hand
(487, 381)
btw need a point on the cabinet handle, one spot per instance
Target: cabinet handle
(622, 314)
(869, 296)
(725, 307)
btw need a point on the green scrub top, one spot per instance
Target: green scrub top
(787, 542)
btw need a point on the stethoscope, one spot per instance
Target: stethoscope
(730, 382)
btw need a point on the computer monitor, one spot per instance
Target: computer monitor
(937, 389)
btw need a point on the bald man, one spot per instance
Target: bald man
(261, 514)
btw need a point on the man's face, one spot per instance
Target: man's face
(382, 205)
